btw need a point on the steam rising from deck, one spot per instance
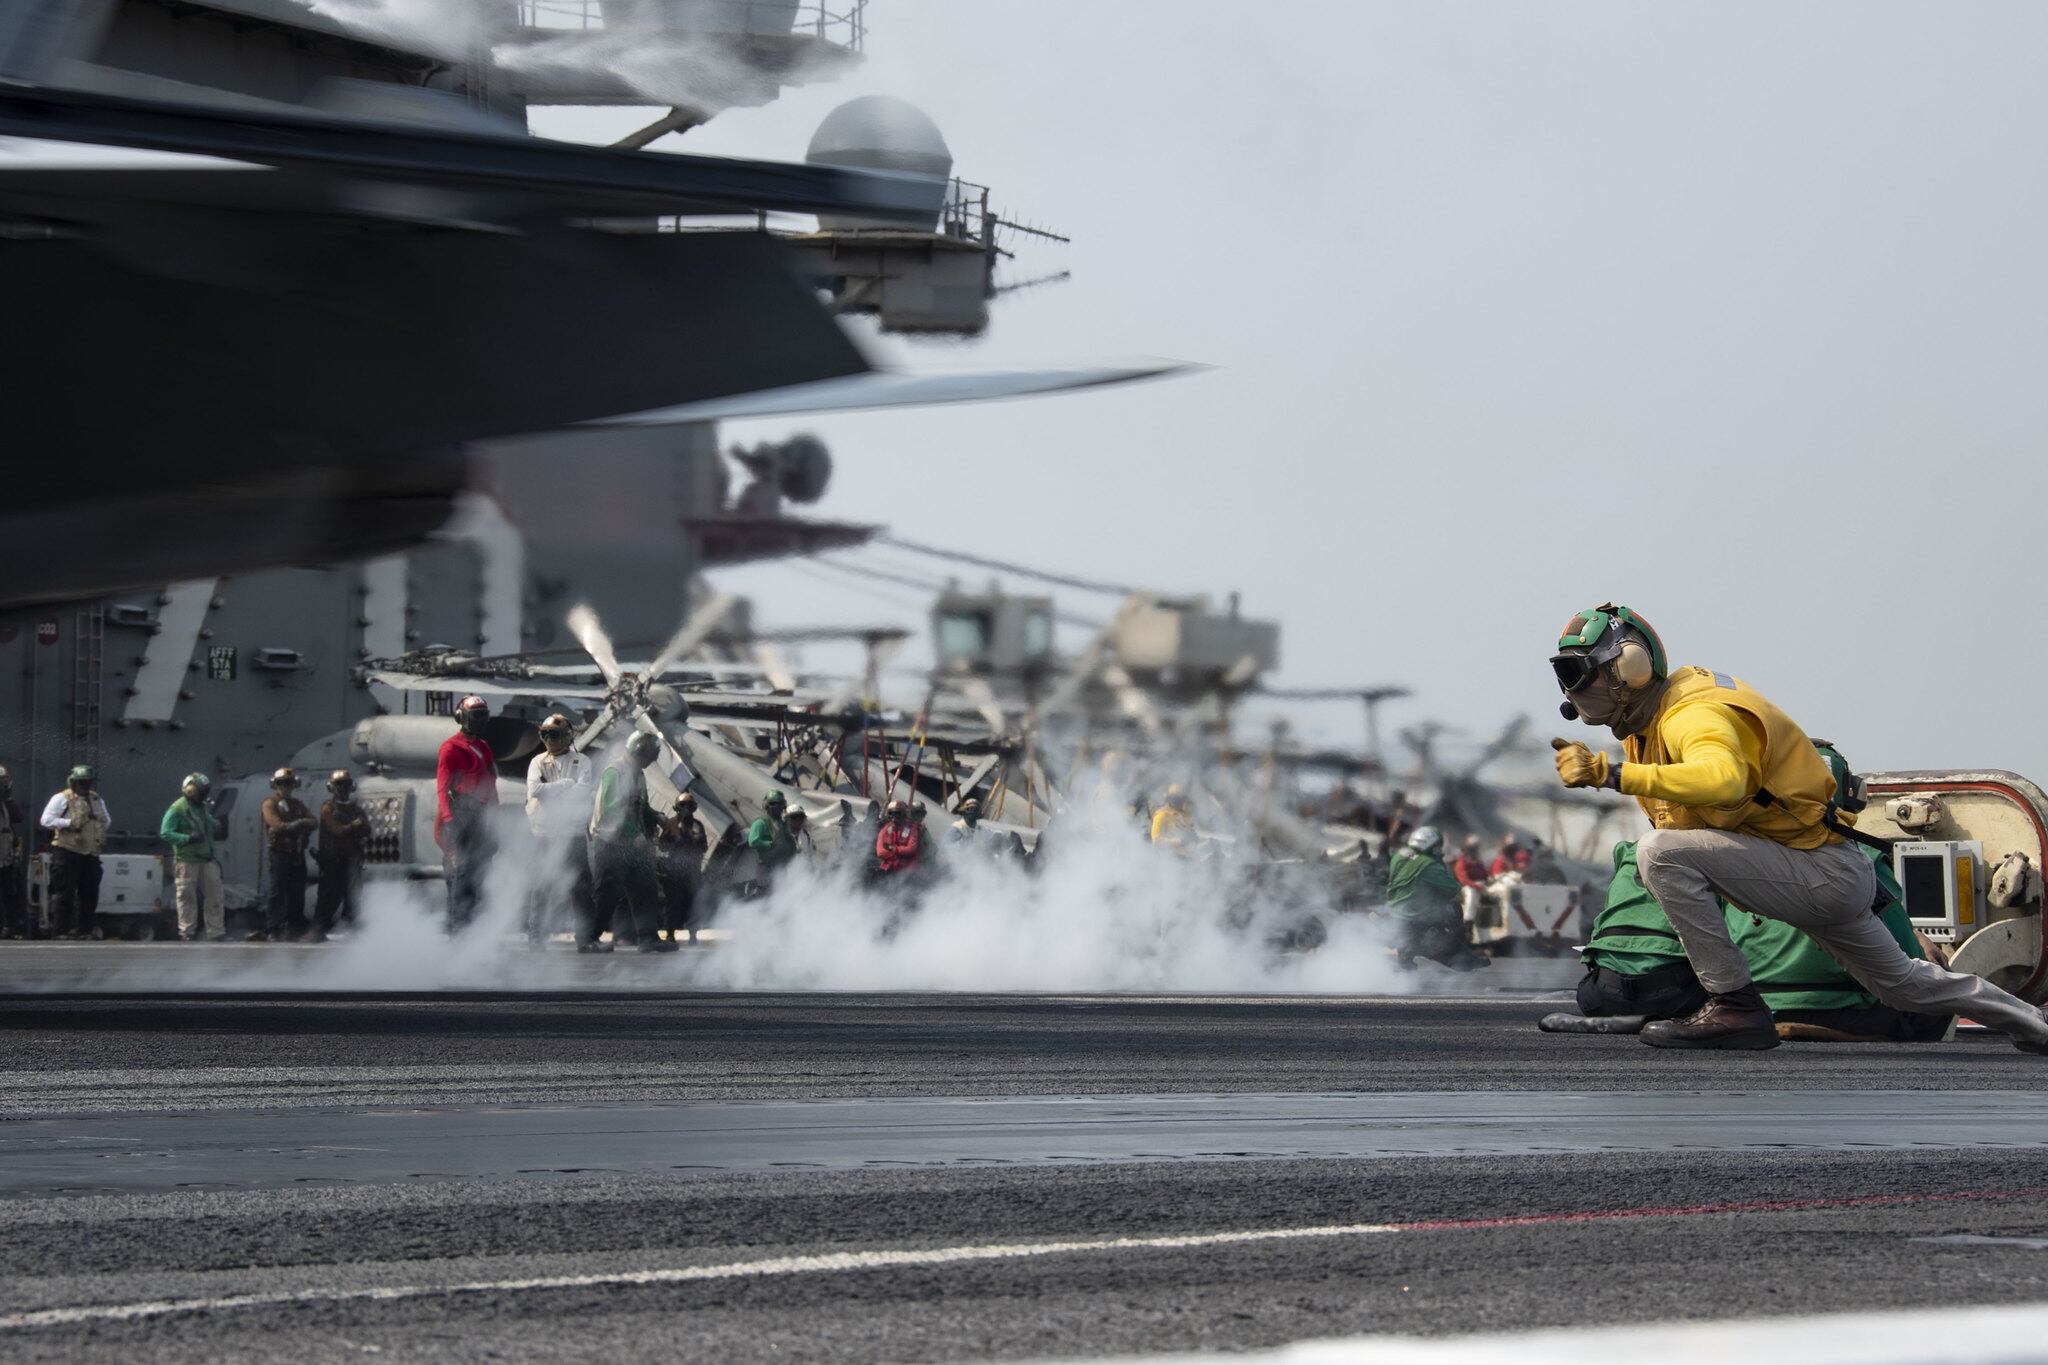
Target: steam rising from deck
(1104, 911)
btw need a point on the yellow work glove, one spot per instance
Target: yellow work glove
(1578, 766)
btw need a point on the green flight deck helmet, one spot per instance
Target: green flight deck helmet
(1606, 644)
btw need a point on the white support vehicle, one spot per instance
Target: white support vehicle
(1514, 916)
(135, 895)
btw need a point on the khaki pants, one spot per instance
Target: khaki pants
(1824, 891)
(199, 898)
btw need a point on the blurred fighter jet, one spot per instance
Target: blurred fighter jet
(244, 332)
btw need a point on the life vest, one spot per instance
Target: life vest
(1171, 825)
(1633, 936)
(1420, 887)
(196, 824)
(88, 832)
(354, 824)
(284, 841)
(466, 779)
(620, 813)
(772, 842)
(1470, 871)
(1790, 803)
(900, 846)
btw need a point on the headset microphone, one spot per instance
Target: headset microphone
(1568, 711)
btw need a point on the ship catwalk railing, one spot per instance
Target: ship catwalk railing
(841, 22)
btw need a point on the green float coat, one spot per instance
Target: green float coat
(1422, 889)
(1632, 936)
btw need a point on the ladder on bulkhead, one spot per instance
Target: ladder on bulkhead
(88, 682)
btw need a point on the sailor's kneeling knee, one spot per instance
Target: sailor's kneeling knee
(1655, 852)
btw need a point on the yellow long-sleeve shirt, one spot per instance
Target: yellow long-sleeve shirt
(1716, 759)
(1714, 747)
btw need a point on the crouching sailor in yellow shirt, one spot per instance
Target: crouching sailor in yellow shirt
(1741, 805)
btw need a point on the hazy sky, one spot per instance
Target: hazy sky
(1733, 312)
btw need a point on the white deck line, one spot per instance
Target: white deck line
(834, 1263)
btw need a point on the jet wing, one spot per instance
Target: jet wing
(520, 174)
(900, 389)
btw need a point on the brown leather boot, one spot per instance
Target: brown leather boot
(1739, 1020)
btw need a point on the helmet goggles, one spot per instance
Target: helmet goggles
(1593, 639)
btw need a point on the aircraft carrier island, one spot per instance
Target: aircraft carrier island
(540, 821)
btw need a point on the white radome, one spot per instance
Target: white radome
(880, 133)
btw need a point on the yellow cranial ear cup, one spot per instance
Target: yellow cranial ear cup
(1632, 666)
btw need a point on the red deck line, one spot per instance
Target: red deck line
(1850, 1201)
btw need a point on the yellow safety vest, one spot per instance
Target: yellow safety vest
(88, 833)
(1171, 827)
(1790, 804)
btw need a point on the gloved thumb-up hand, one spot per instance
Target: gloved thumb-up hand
(1578, 766)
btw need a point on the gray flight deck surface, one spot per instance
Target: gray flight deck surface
(583, 1174)
(234, 1150)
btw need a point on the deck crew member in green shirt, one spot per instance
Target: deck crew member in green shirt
(188, 827)
(622, 830)
(1424, 897)
(770, 838)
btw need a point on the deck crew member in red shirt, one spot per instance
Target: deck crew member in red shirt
(899, 847)
(467, 781)
(1469, 867)
(1512, 857)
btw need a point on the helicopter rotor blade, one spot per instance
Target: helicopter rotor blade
(774, 666)
(695, 631)
(595, 728)
(590, 633)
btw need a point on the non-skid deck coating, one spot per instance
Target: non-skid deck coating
(753, 1178)
(271, 1150)
(509, 966)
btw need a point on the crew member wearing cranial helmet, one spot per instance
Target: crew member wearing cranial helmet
(560, 787)
(344, 841)
(190, 829)
(288, 826)
(899, 844)
(1423, 897)
(1742, 806)
(679, 851)
(78, 823)
(623, 826)
(466, 782)
(769, 836)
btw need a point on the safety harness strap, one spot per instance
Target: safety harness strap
(1832, 818)
(1624, 932)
